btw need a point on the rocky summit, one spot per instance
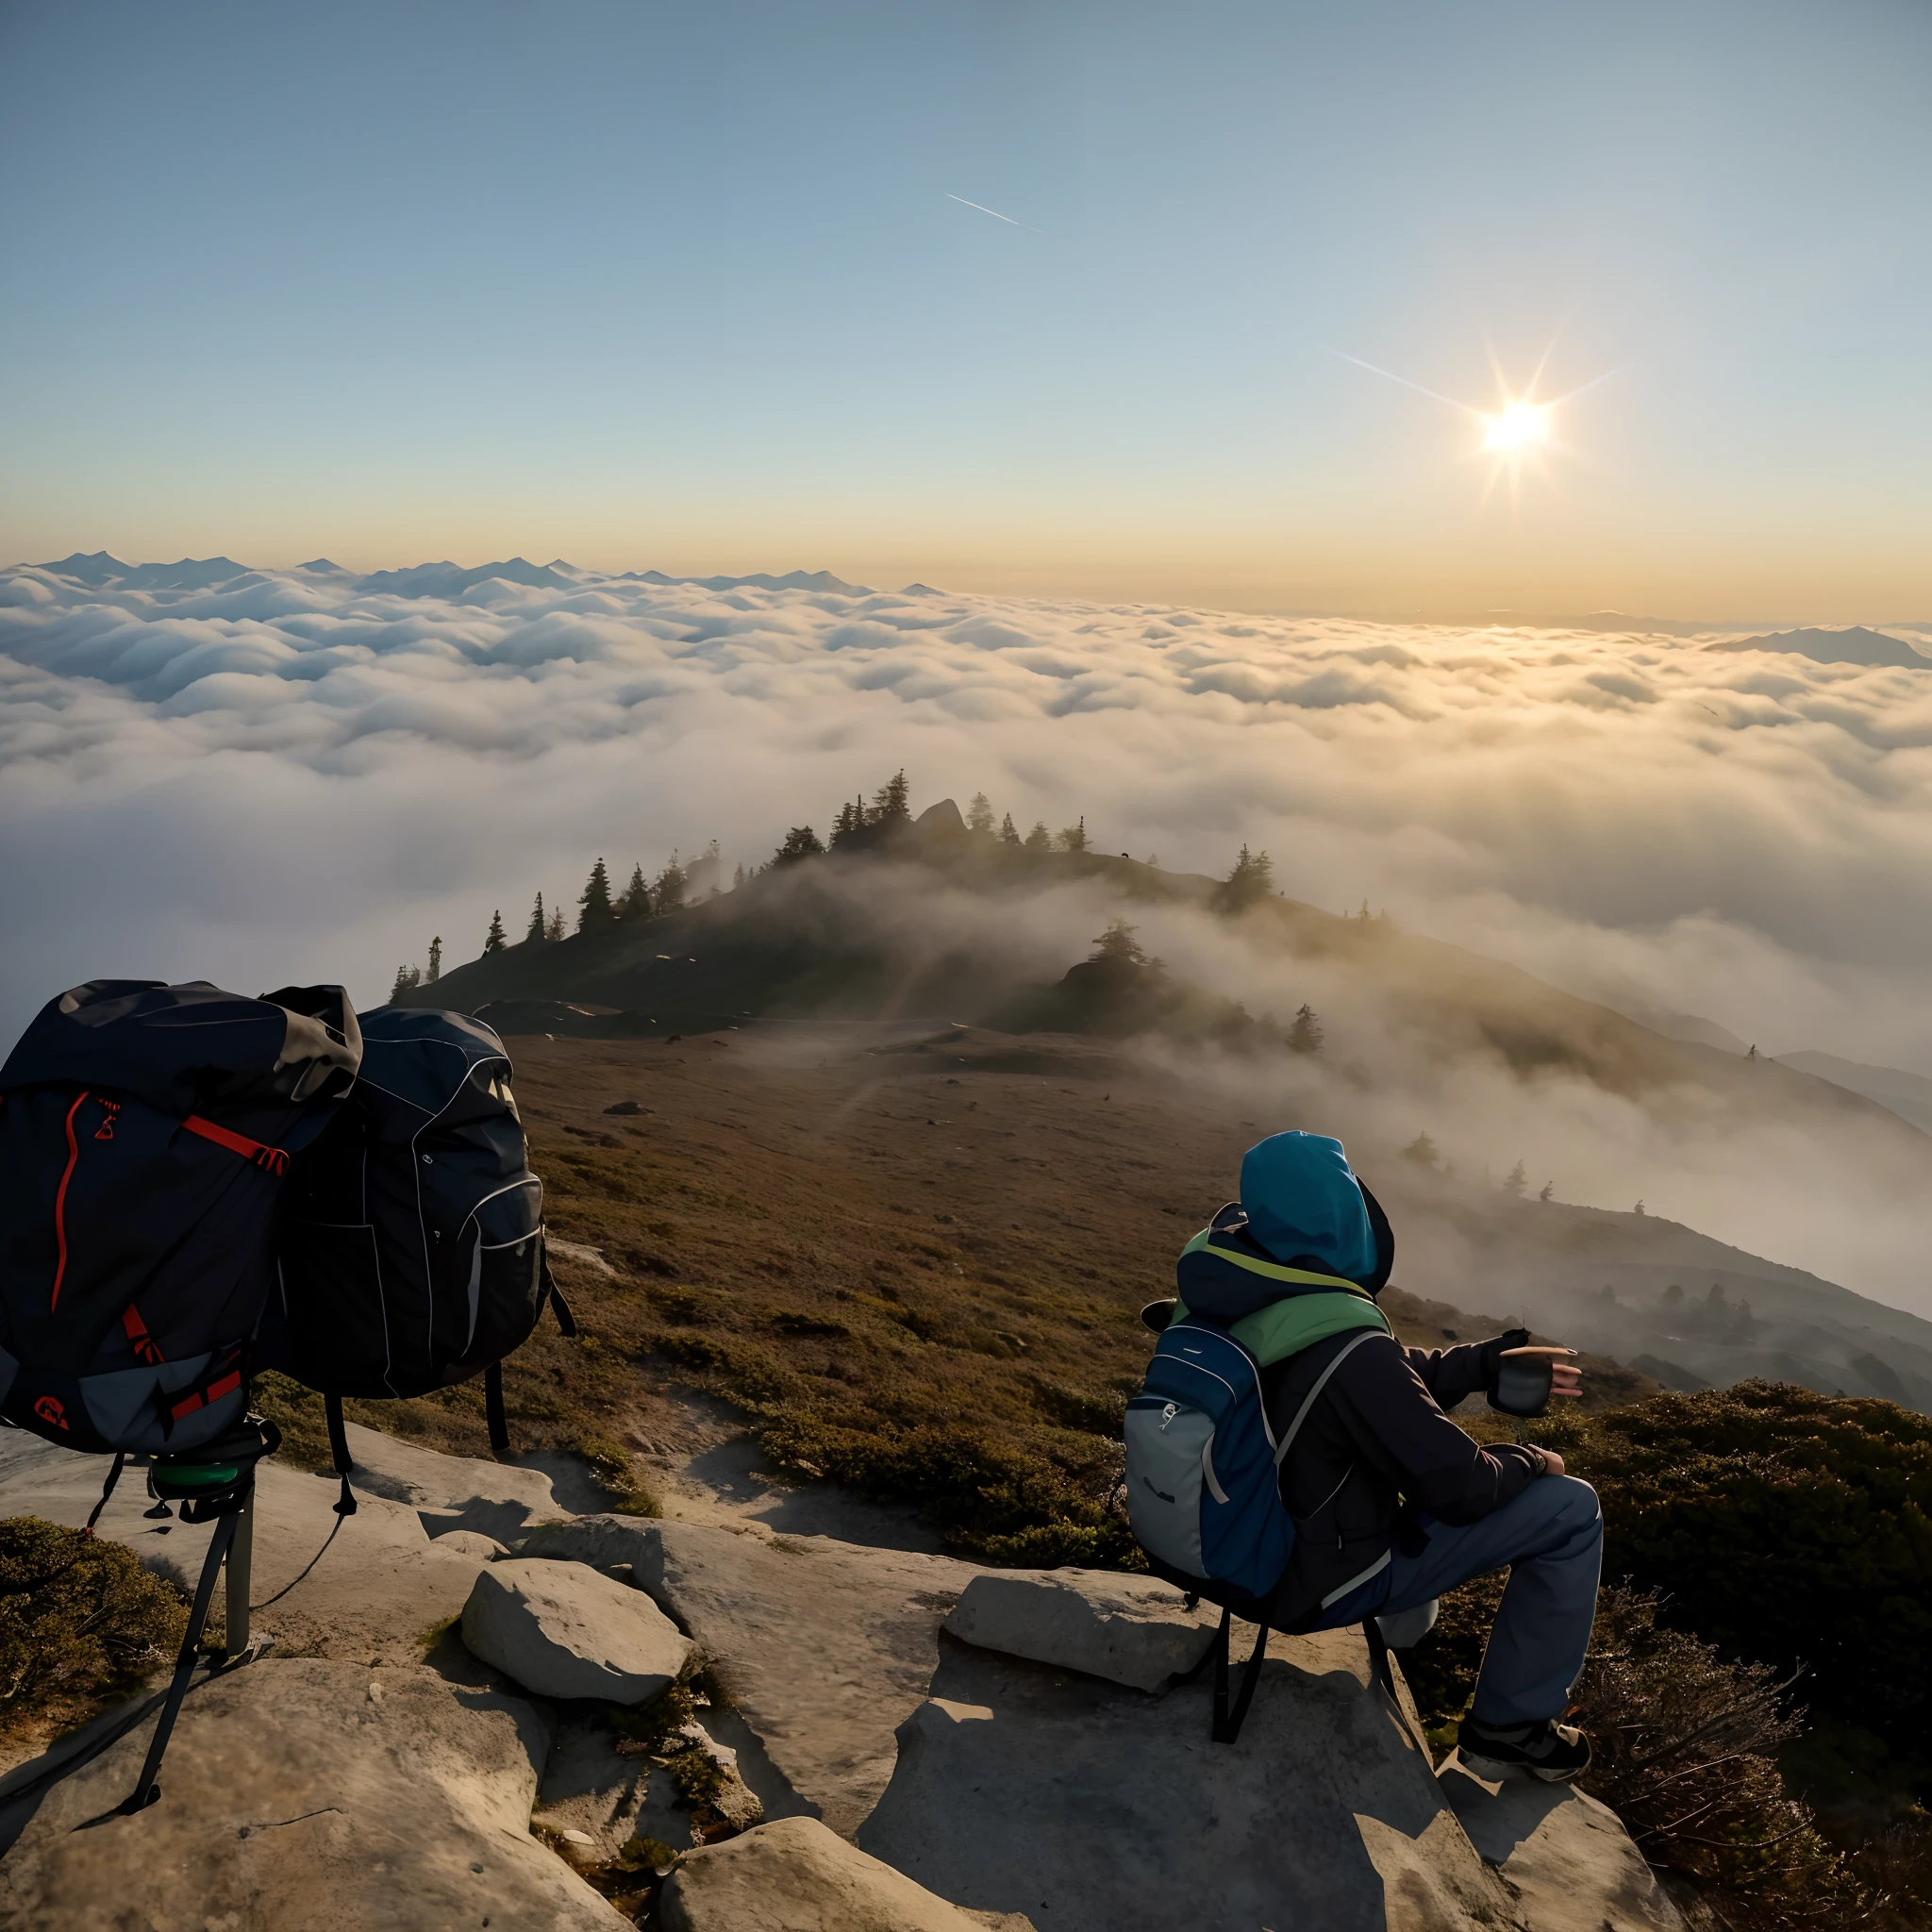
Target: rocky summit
(485, 1709)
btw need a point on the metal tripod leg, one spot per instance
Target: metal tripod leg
(239, 1564)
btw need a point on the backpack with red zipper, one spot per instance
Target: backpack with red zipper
(144, 1133)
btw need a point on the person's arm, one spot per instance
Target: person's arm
(1398, 1425)
(1451, 1374)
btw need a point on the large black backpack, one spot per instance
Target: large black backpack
(411, 1251)
(144, 1133)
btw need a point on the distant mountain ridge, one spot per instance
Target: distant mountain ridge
(1855, 644)
(1909, 1095)
(101, 571)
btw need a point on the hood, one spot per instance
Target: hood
(1307, 1210)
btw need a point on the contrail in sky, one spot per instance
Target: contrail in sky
(1468, 410)
(993, 213)
(1435, 396)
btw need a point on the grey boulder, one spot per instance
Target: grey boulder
(798, 1875)
(1130, 1629)
(563, 1631)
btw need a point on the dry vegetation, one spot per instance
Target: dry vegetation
(81, 1623)
(918, 1269)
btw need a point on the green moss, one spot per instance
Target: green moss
(610, 1463)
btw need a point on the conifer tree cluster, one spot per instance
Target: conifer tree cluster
(859, 824)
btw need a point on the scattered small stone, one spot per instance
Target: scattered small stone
(626, 1106)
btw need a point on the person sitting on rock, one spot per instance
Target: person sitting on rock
(1393, 1504)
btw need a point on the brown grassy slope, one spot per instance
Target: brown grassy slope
(921, 1270)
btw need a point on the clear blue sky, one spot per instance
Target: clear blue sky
(680, 286)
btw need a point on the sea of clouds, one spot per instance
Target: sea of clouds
(265, 777)
(306, 774)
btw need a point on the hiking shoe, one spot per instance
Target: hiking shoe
(1552, 1752)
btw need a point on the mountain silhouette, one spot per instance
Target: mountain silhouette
(1853, 645)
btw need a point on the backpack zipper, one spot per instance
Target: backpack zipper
(61, 1206)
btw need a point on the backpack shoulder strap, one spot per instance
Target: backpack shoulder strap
(1301, 1415)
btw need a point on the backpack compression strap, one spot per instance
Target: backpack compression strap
(275, 1159)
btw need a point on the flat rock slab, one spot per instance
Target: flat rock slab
(823, 1648)
(451, 1491)
(563, 1629)
(304, 1796)
(380, 1586)
(798, 1875)
(1129, 1629)
(1023, 1789)
(1567, 1857)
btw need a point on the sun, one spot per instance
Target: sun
(1517, 428)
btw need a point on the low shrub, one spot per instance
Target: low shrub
(1686, 1752)
(990, 1500)
(81, 1622)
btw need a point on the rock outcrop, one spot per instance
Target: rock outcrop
(823, 1648)
(1325, 1813)
(305, 1795)
(930, 1744)
(1567, 1858)
(563, 1631)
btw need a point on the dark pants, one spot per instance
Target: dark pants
(1550, 1537)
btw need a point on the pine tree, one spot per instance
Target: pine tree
(539, 930)
(1040, 839)
(595, 912)
(1421, 1150)
(667, 895)
(1546, 1191)
(636, 903)
(435, 972)
(1118, 942)
(737, 878)
(1009, 832)
(494, 941)
(801, 842)
(890, 803)
(848, 824)
(1516, 1181)
(980, 814)
(1305, 1034)
(1252, 879)
(1074, 838)
(1640, 1208)
(408, 979)
(554, 929)
(701, 874)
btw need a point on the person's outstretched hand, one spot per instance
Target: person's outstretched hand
(1565, 1381)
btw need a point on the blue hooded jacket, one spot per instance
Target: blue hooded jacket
(1302, 1199)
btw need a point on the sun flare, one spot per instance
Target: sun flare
(1517, 428)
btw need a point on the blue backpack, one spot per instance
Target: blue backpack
(1203, 1490)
